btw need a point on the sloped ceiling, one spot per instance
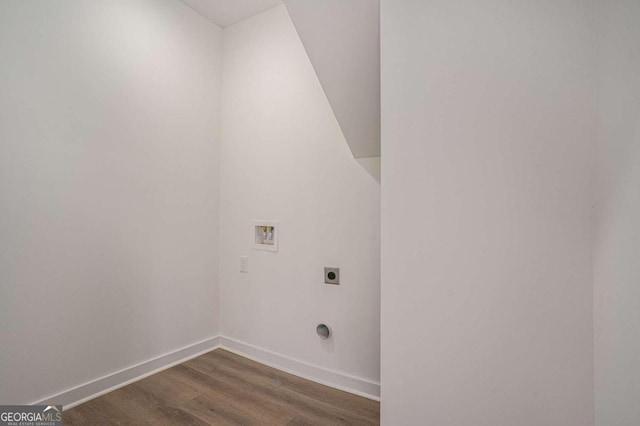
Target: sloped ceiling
(228, 12)
(342, 39)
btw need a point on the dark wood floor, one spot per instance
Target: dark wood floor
(221, 388)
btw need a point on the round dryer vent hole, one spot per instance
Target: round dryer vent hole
(323, 330)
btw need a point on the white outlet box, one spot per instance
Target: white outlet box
(265, 235)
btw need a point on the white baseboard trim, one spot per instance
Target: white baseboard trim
(100, 386)
(95, 388)
(324, 376)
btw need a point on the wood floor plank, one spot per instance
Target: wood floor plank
(222, 388)
(167, 389)
(138, 403)
(213, 407)
(260, 387)
(100, 411)
(345, 400)
(242, 399)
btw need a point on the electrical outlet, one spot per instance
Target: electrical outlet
(331, 275)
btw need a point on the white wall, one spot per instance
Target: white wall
(285, 159)
(617, 244)
(342, 40)
(109, 120)
(487, 150)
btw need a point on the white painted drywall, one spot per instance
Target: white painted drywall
(372, 165)
(286, 159)
(617, 243)
(487, 150)
(109, 179)
(342, 39)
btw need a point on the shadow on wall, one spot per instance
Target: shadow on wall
(371, 166)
